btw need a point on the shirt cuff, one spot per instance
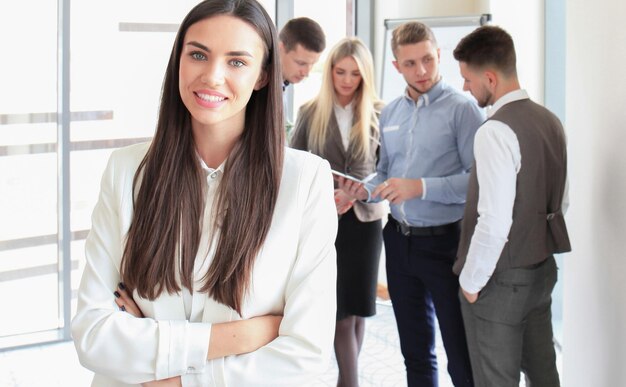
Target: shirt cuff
(468, 282)
(183, 348)
(198, 346)
(369, 194)
(213, 375)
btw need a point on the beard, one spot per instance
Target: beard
(485, 100)
(418, 91)
(432, 83)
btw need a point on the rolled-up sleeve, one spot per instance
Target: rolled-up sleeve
(452, 188)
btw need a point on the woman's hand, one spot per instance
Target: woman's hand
(171, 382)
(262, 330)
(351, 188)
(238, 337)
(343, 201)
(125, 301)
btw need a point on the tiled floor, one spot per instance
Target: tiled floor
(54, 365)
(380, 363)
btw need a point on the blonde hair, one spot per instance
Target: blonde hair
(366, 101)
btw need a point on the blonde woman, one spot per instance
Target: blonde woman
(341, 125)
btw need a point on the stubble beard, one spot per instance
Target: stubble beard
(433, 82)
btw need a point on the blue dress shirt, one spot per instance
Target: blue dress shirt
(431, 139)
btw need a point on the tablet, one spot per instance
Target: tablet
(337, 173)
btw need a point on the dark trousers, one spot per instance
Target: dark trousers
(509, 328)
(421, 284)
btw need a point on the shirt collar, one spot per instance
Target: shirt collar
(511, 96)
(347, 108)
(208, 170)
(430, 96)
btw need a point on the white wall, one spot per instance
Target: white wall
(403, 9)
(595, 272)
(523, 20)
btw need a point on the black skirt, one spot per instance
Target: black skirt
(358, 247)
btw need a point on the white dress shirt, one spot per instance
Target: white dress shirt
(294, 275)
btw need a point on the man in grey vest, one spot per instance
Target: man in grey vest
(513, 222)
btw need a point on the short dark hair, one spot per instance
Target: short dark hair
(411, 33)
(303, 31)
(488, 46)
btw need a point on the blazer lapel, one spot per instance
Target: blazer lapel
(335, 151)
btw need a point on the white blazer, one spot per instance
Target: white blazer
(294, 275)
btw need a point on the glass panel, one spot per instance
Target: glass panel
(28, 182)
(24, 133)
(28, 78)
(78, 265)
(30, 273)
(118, 62)
(86, 171)
(119, 58)
(334, 26)
(28, 198)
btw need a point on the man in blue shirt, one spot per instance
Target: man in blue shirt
(425, 156)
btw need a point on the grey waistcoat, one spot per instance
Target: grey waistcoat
(538, 228)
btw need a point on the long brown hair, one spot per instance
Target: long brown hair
(170, 184)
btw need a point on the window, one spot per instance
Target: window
(28, 170)
(119, 52)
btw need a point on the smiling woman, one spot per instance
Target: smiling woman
(216, 81)
(211, 249)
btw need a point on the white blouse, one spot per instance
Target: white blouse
(345, 118)
(294, 275)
